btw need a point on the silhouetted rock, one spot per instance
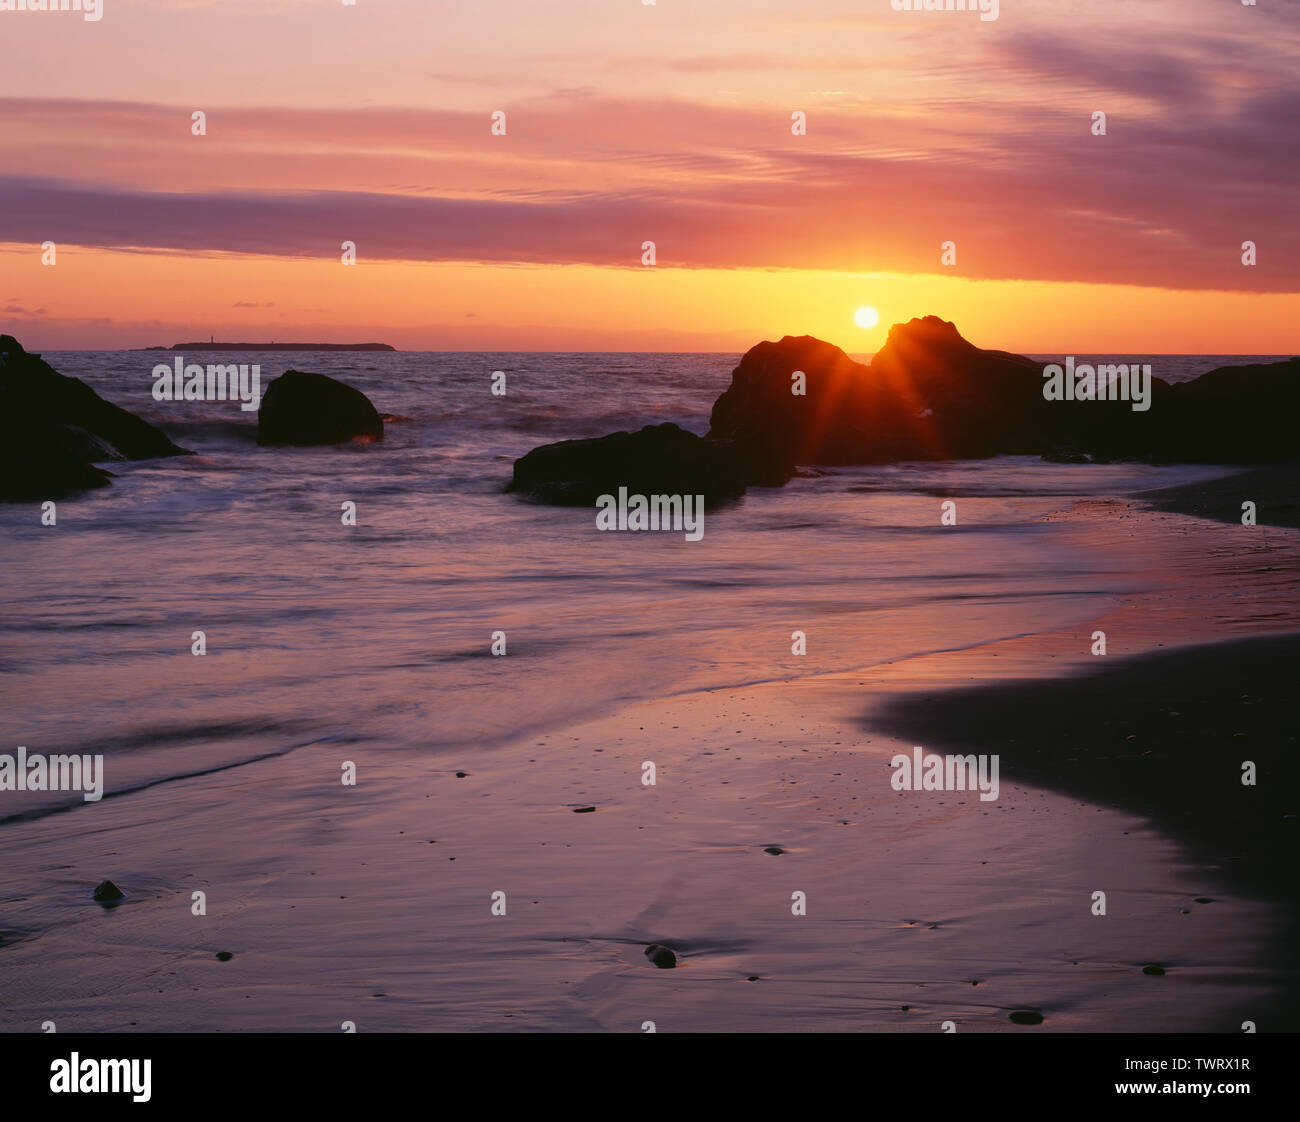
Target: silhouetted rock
(1236, 415)
(301, 407)
(38, 466)
(661, 956)
(53, 429)
(657, 460)
(107, 892)
(929, 394)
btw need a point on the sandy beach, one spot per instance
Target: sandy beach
(628, 517)
(1272, 489)
(374, 904)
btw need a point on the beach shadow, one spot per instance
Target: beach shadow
(1165, 736)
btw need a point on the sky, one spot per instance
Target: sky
(669, 122)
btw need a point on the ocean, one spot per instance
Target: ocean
(350, 812)
(379, 635)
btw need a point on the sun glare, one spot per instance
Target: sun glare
(866, 316)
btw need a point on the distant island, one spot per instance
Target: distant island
(212, 345)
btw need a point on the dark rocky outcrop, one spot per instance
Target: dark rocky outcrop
(54, 429)
(301, 407)
(928, 394)
(37, 468)
(658, 459)
(1235, 415)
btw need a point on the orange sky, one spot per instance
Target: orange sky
(420, 305)
(671, 123)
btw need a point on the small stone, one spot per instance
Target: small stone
(1026, 1017)
(1153, 969)
(106, 892)
(224, 956)
(774, 850)
(1205, 899)
(662, 957)
(753, 978)
(461, 774)
(584, 810)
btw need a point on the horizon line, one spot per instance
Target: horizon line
(463, 351)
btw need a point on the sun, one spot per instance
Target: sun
(866, 316)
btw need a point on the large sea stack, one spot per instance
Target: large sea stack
(928, 394)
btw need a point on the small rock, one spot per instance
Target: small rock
(302, 407)
(461, 774)
(774, 850)
(584, 810)
(1153, 969)
(224, 956)
(106, 892)
(1026, 1017)
(663, 459)
(662, 957)
(1205, 899)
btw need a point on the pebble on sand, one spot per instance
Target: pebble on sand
(224, 956)
(584, 810)
(106, 892)
(1153, 969)
(1026, 1017)
(661, 956)
(774, 850)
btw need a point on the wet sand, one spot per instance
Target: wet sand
(373, 904)
(1164, 736)
(1274, 489)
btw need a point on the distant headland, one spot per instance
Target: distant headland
(213, 345)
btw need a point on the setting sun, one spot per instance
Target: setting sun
(866, 316)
